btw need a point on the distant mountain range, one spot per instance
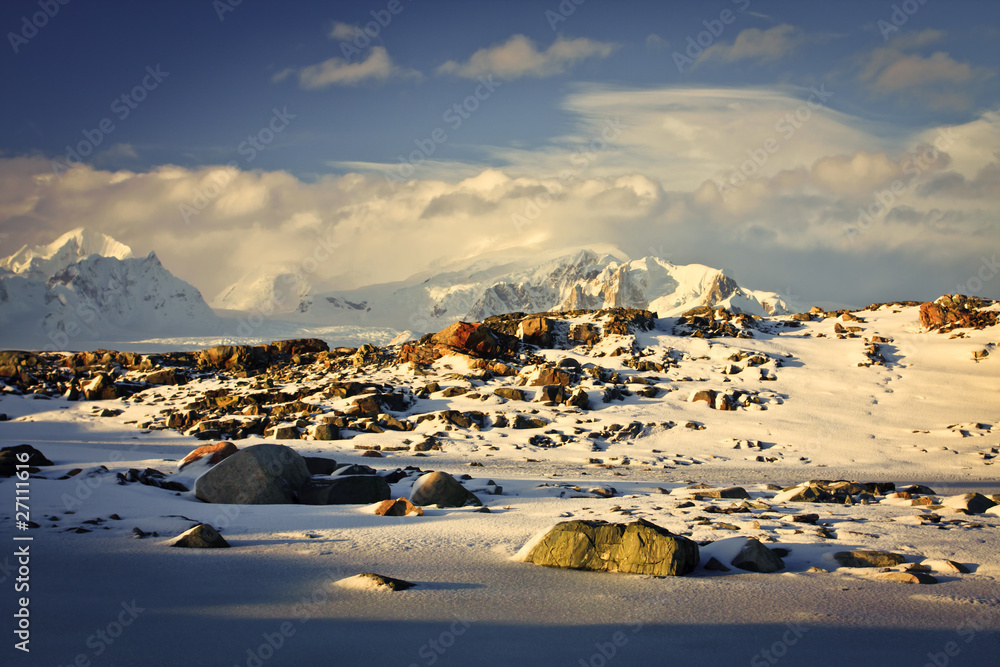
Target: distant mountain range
(87, 287)
(581, 280)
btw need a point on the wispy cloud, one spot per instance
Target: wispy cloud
(519, 57)
(755, 44)
(378, 66)
(938, 80)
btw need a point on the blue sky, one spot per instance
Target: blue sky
(334, 134)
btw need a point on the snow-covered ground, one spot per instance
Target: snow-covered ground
(930, 415)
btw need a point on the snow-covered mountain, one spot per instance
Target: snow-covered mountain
(274, 286)
(68, 292)
(44, 261)
(580, 280)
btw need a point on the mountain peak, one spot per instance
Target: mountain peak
(44, 261)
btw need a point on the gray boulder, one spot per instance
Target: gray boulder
(257, 475)
(640, 547)
(345, 490)
(443, 490)
(755, 557)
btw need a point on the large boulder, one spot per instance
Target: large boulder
(257, 475)
(640, 547)
(345, 490)
(441, 489)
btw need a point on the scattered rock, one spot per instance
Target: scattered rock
(372, 581)
(974, 503)
(865, 558)
(201, 536)
(441, 489)
(910, 577)
(714, 565)
(318, 465)
(10, 459)
(345, 490)
(509, 393)
(210, 454)
(398, 507)
(755, 557)
(737, 492)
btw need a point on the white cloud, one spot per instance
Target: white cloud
(755, 44)
(519, 56)
(652, 185)
(343, 31)
(378, 66)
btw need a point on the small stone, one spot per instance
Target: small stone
(755, 557)
(201, 536)
(398, 507)
(715, 565)
(908, 577)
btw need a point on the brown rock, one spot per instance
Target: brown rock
(536, 331)
(215, 453)
(907, 577)
(864, 558)
(552, 376)
(398, 507)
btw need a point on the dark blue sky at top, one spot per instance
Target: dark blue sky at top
(220, 89)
